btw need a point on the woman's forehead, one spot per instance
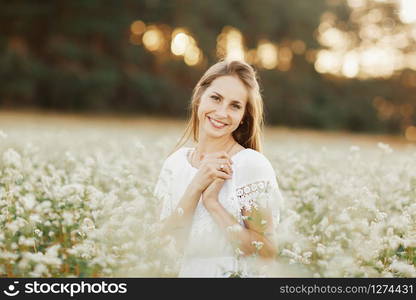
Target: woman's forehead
(229, 87)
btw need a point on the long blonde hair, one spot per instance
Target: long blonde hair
(249, 133)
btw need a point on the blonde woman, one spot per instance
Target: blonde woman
(220, 199)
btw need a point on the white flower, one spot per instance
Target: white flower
(139, 146)
(234, 228)
(344, 217)
(29, 201)
(11, 158)
(179, 210)
(257, 244)
(385, 147)
(87, 225)
(35, 218)
(68, 218)
(3, 135)
(238, 252)
(403, 268)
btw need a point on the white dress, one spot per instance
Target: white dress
(208, 252)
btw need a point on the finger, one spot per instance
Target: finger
(218, 180)
(226, 168)
(223, 175)
(223, 161)
(229, 169)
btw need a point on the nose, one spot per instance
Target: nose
(222, 110)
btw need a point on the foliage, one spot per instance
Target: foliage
(76, 56)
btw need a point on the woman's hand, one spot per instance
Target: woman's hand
(209, 170)
(210, 195)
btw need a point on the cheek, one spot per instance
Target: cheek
(239, 116)
(203, 107)
(201, 110)
(243, 113)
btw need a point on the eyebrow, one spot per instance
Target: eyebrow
(231, 100)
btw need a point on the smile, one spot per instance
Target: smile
(216, 124)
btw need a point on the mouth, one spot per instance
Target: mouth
(216, 124)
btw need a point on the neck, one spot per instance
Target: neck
(209, 145)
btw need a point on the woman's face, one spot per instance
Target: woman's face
(222, 106)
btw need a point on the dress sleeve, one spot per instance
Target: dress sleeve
(257, 186)
(163, 190)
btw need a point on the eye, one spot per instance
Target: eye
(215, 98)
(236, 106)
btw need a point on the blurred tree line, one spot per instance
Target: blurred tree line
(76, 56)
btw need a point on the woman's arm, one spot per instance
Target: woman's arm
(258, 224)
(179, 221)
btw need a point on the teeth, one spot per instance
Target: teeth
(217, 123)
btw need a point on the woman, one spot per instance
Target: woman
(220, 199)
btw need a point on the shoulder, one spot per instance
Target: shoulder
(253, 158)
(254, 162)
(174, 157)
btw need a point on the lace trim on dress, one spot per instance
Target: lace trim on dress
(247, 193)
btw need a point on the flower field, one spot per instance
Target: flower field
(76, 200)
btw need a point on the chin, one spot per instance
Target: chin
(214, 133)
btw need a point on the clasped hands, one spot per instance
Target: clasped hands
(210, 177)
